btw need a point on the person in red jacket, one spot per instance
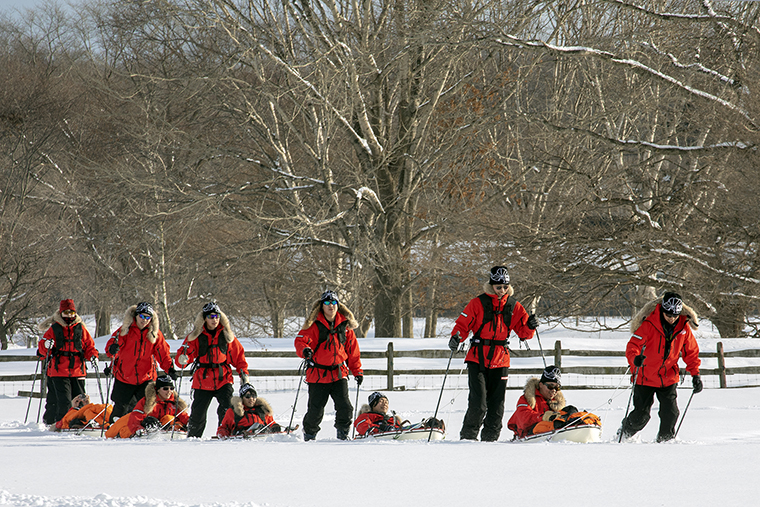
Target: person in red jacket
(491, 317)
(161, 407)
(64, 348)
(662, 333)
(248, 415)
(136, 348)
(328, 344)
(215, 350)
(374, 417)
(542, 400)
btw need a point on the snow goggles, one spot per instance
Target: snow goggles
(68, 313)
(212, 316)
(329, 303)
(144, 316)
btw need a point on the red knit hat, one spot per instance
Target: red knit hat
(67, 304)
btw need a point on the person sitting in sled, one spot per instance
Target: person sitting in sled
(160, 406)
(541, 401)
(82, 412)
(248, 415)
(374, 418)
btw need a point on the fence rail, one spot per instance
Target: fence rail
(391, 372)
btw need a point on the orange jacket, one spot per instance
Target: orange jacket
(470, 320)
(239, 418)
(84, 415)
(140, 350)
(72, 346)
(331, 356)
(658, 369)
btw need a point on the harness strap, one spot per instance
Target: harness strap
(490, 314)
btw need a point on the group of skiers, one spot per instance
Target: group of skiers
(145, 401)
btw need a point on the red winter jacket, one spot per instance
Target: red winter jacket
(72, 345)
(152, 405)
(531, 407)
(470, 319)
(239, 418)
(660, 370)
(369, 423)
(330, 357)
(140, 350)
(214, 365)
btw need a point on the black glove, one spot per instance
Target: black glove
(454, 342)
(638, 361)
(697, 383)
(151, 423)
(359, 379)
(113, 348)
(107, 371)
(307, 353)
(569, 409)
(532, 322)
(172, 373)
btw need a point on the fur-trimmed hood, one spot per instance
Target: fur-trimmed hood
(129, 317)
(151, 396)
(229, 334)
(342, 309)
(638, 320)
(488, 289)
(57, 318)
(237, 406)
(365, 408)
(557, 404)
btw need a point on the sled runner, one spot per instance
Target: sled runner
(414, 432)
(262, 435)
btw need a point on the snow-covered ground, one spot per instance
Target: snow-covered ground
(712, 461)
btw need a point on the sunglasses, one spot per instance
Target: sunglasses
(212, 316)
(167, 388)
(329, 303)
(144, 316)
(670, 315)
(500, 287)
(69, 313)
(553, 387)
(249, 396)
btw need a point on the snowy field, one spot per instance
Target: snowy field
(711, 462)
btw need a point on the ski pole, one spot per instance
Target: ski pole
(356, 407)
(533, 306)
(43, 380)
(179, 387)
(302, 370)
(435, 416)
(80, 430)
(97, 376)
(628, 407)
(108, 391)
(31, 391)
(538, 337)
(684, 415)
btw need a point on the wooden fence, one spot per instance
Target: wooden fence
(554, 356)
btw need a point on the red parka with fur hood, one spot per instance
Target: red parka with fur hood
(72, 344)
(152, 405)
(660, 368)
(531, 407)
(470, 320)
(369, 422)
(217, 351)
(139, 350)
(335, 351)
(239, 418)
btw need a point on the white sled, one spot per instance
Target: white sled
(86, 432)
(581, 433)
(160, 435)
(407, 434)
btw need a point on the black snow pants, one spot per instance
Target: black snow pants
(60, 392)
(125, 397)
(643, 398)
(485, 403)
(201, 401)
(318, 395)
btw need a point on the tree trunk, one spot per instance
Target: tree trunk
(102, 321)
(431, 314)
(408, 315)
(3, 338)
(729, 318)
(277, 317)
(388, 314)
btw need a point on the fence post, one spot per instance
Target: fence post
(558, 354)
(721, 366)
(390, 366)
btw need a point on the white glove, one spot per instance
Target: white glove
(94, 362)
(182, 360)
(49, 344)
(243, 379)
